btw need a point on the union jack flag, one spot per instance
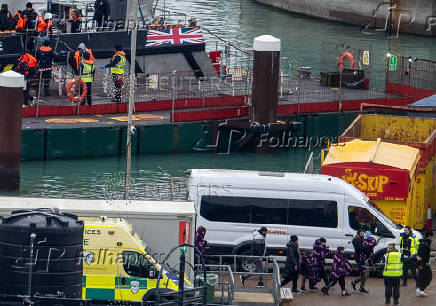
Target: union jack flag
(175, 36)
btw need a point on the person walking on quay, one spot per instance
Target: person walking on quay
(392, 274)
(309, 270)
(341, 268)
(408, 249)
(200, 243)
(291, 270)
(364, 245)
(321, 251)
(258, 248)
(423, 258)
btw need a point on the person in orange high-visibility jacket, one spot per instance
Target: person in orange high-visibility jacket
(40, 24)
(76, 59)
(44, 24)
(48, 18)
(19, 21)
(26, 65)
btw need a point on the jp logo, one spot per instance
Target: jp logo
(134, 286)
(394, 19)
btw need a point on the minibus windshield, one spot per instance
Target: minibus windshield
(382, 216)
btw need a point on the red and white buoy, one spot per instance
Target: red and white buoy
(429, 223)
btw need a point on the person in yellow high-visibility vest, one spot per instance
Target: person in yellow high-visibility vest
(392, 273)
(117, 65)
(87, 70)
(408, 249)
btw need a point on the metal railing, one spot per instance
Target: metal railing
(238, 262)
(276, 282)
(226, 281)
(176, 85)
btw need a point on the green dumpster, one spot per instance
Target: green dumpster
(211, 281)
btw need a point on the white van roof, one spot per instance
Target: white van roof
(274, 180)
(92, 207)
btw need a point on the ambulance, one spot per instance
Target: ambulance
(116, 265)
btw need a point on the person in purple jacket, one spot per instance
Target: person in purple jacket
(309, 270)
(321, 251)
(364, 245)
(341, 268)
(200, 243)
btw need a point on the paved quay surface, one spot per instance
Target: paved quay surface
(375, 286)
(376, 289)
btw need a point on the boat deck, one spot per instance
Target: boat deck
(185, 93)
(91, 121)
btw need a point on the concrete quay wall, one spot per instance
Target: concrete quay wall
(412, 16)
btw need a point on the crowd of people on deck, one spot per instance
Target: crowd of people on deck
(412, 254)
(36, 64)
(29, 20)
(82, 62)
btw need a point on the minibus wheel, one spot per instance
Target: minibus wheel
(246, 264)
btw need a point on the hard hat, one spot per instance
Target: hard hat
(48, 16)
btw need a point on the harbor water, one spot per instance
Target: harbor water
(157, 177)
(165, 176)
(301, 37)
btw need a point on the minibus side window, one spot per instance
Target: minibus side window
(361, 218)
(244, 210)
(226, 209)
(269, 211)
(317, 213)
(135, 264)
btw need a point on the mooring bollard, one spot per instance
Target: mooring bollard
(266, 72)
(11, 91)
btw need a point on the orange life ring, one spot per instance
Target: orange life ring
(71, 90)
(340, 63)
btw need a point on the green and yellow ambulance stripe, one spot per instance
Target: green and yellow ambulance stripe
(119, 288)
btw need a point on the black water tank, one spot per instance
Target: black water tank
(58, 246)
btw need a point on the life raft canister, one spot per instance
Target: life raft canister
(74, 86)
(340, 63)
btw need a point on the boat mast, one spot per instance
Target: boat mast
(133, 13)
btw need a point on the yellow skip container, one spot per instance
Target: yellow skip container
(411, 131)
(385, 172)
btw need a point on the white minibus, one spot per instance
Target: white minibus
(231, 204)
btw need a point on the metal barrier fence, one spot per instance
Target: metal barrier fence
(226, 281)
(246, 264)
(411, 77)
(331, 54)
(181, 89)
(178, 89)
(174, 90)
